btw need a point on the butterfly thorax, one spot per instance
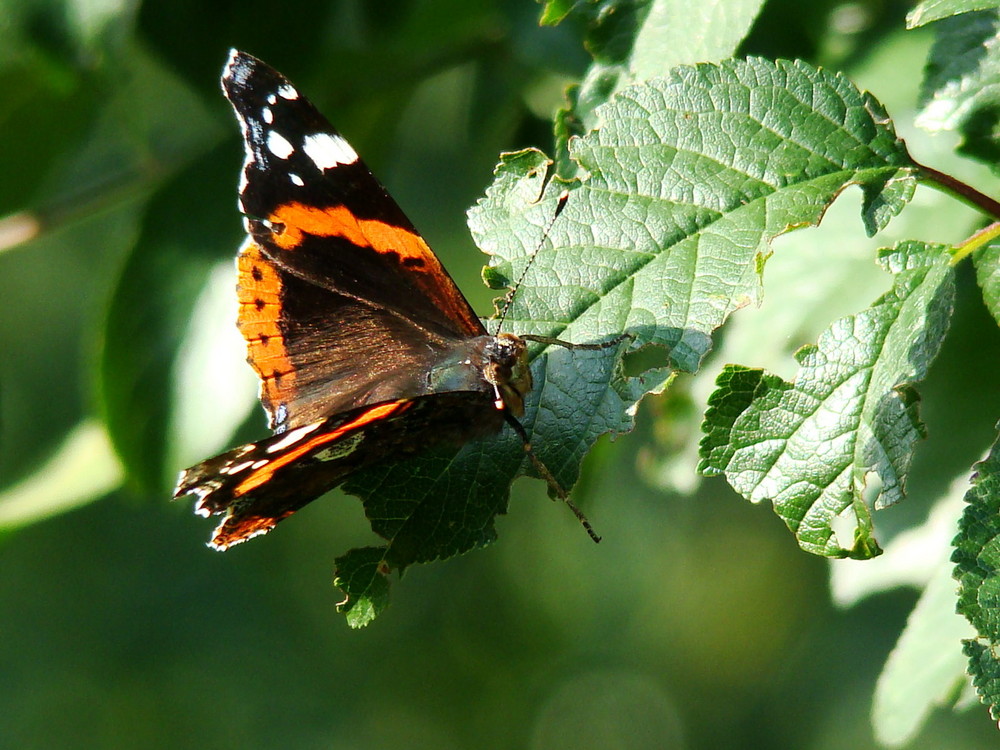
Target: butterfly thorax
(495, 364)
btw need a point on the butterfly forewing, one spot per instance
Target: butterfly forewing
(327, 238)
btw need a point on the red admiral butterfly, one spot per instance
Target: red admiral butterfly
(365, 348)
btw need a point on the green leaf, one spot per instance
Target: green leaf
(912, 557)
(555, 11)
(153, 300)
(80, 470)
(934, 10)
(362, 576)
(210, 376)
(678, 32)
(962, 78)
(977, 562)
(664, 237)
(926, 666)
(987, 262)
(443, 503)
(984, 666)
(808, 446)
(634, 41)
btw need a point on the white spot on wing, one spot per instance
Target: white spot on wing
(296, 179)
(278, 145)
(237, 468)
(328, 150)
(287, 91)
(267, 115)
(293, 437)
(271, 99)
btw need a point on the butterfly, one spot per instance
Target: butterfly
(365, 348)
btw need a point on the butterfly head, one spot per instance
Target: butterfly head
(507, 371)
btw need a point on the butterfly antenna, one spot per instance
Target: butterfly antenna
(560, 205)
(544, 473)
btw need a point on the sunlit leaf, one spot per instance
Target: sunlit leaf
(633, 41)
(987, 262)
(808, 446)
(685, 185)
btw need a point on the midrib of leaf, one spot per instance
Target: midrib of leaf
(732, 217)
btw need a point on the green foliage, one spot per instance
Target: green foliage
(634, 40)
(662, 238)
(959, 89)
(682, 182)
(935, 10)
(987, 263)
(977, 567)
(926, 668)
(809, 446)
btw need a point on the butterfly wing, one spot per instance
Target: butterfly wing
(342, 303)
(257, 485)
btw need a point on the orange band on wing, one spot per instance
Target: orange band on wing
(338, 221)
(259, 292)
(413, 252)
(265, 472)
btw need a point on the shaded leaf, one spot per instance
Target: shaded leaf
(82, 469)
(987, 262)
(211, 375)
(361, 575)
(977, 562)
(961, 86)
(926, 666)
(935, 10)
(155, 295)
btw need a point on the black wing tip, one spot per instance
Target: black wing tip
(237, 70)
(243, 72)
(239, 65)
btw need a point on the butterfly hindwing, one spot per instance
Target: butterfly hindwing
(257, 485)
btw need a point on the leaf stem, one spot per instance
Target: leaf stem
(976, 241)
(966, 192)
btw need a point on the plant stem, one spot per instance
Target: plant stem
(966, 192)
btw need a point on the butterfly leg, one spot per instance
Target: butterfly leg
(550, 341)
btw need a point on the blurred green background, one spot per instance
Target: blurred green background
(697, 623)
